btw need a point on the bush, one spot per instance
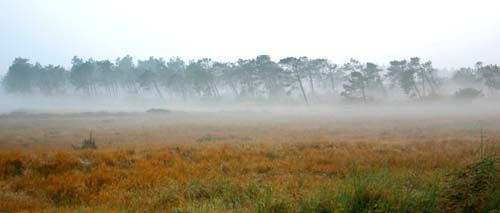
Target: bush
(11, 168)
(468, 93)
(11, 165)
(475, 188)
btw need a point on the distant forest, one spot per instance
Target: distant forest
(259, 79)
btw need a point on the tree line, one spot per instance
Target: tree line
(292, 78)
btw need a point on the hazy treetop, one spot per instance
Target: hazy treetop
(451, 33)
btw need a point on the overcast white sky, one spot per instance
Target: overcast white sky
(451, 33)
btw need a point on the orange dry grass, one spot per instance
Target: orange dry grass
(246, 159)
(115, 178)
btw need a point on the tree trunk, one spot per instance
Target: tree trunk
(302, 89)
(311, 84)
(363, 92)
(332, 81)
(417, 91)
(431, 84)
(158, 90)
(233, 88)
(423, 82)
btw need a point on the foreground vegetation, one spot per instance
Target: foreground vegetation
(302, 177)
(271, 162)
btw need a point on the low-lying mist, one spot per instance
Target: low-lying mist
(79, 104)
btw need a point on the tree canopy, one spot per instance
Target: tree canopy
(298, 79)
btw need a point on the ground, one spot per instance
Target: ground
(251, 161)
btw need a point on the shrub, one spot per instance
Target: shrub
(11, 165)
(475, 188)
(468, 93)
(11, 168)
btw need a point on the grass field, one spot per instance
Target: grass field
(253, 161)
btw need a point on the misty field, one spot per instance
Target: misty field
(372, 160)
